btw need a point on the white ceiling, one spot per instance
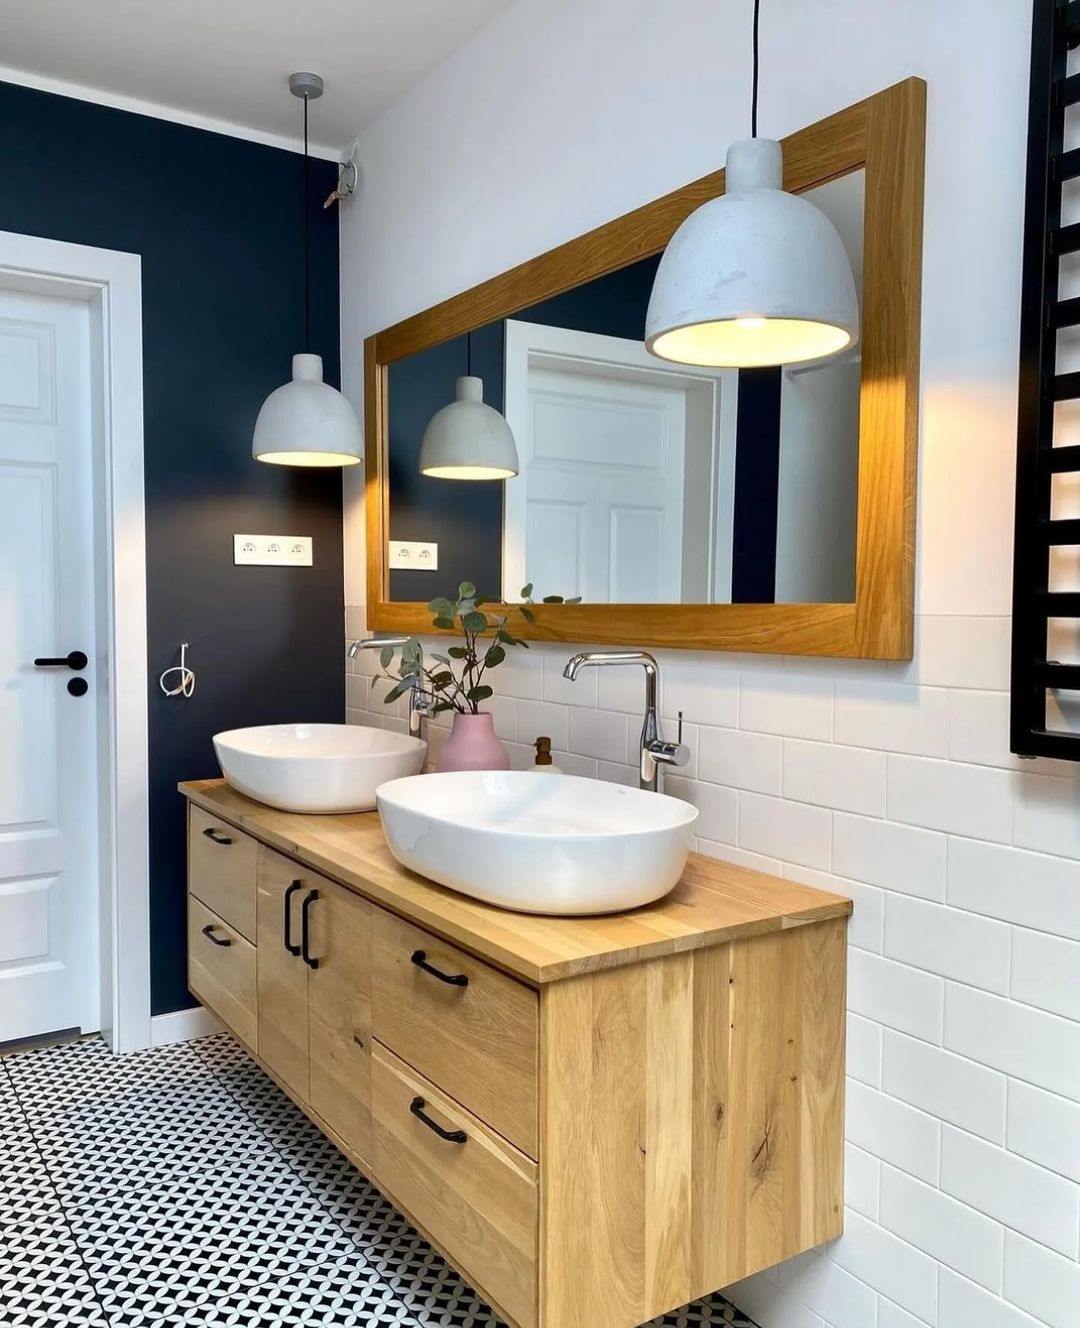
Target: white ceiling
(230, 60)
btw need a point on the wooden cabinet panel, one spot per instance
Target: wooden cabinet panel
(283, 975)
(221, 870)
(339, 1014)
(475, 1196)
(221, 970)
(477, 1038)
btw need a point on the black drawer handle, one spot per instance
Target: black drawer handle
(305, 928)
(417, 1105)
(288, 940)
(208, 932)
(216, 835)
(419, 958)
(75, 659)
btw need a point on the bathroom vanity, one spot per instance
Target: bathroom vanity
(594, 1119)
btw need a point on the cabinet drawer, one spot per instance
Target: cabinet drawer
(221, 970)
(475, 1195)
(221, 870)
(476, 1037)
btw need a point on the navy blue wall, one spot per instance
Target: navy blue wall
(217, 222)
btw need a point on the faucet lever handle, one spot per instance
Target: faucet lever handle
(680, 728)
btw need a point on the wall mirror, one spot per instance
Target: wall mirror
(762, 509)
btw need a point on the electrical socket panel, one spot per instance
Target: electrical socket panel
(417, 556)
(272, 550)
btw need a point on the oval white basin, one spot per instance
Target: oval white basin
(316, 767)
(554, 844)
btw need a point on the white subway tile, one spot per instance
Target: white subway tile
(944, 1085)
(764, 1302)
(849, 779)
(954, 651)
(504, 717)
(542, 719)
(520, 675)
(704, 695)
(1046, 970)
(791, 705)
(1041, 1282)
(717, 807)
(864, 1049)
(865, 925)
(948, 941)
(823, 1286)
(621, 689)
(947, 1230)
(1030, 889)
(1019, 1194)
(741, 858)
(580, 692)
(616, 773)
(751, 761)
(895, 995)
(979, 733)
(1047, 814)
(791, 831)
(1016, 1039)
(354, 621)
(962, 1304)
(892, 1130)
(862, 1173)
(943, 795)
(896, 857)
(891, 1315)
(598, 733)
(1044, 1128)
(891, 716)
(570, 763)
(890, 1265)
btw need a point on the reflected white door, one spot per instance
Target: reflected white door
(49, 962)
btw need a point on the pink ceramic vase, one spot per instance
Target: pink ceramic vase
(472, 745)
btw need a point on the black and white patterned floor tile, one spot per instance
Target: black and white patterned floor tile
(180, 1188)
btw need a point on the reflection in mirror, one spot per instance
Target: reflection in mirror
(641, 481)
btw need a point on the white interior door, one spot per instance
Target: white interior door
(49, 977)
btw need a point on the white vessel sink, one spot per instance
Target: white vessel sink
(538, 843)
(316, 767)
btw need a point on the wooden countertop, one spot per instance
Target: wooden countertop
(713, 903)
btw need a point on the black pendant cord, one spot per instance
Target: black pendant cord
(468, 354)
(307, 258)
(754, 91)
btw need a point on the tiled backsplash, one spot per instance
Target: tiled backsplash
(893, 783)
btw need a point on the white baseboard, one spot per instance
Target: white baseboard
(182, 1026)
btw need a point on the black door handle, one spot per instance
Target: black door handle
(292, 949)
(416, 1106)
(208, 932)
(419, 958)
(74, 660)
(305, 936)
(216, 835)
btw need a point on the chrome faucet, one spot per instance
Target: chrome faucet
(419, 699)
(654, 751)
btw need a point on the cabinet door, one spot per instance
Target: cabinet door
(283, 975)
(339, 1014)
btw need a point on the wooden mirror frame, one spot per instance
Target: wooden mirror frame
(885, 135)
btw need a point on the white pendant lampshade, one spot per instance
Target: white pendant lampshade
(306, 422)
(755, 277)
(468, 440)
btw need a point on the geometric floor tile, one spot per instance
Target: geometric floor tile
(180, 1186)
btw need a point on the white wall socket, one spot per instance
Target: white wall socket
(415, 556)
(272, 550)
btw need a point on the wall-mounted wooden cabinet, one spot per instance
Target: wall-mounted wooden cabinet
(595, 1119)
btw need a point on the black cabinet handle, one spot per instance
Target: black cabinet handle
(216, 835)
(419, 958)
(416, 1106)
(74, 660)
(292, 949)
(208, 932)
(305, 936)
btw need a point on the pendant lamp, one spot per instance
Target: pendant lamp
(755, 277)
(307, 422)
(468, 440)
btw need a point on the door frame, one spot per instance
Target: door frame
(110, 282)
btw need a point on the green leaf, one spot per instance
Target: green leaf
(458, 652)
(504, 636)
(386, 656)
(475, 622)
(440, 707)
(399, 690)
(443, 659)
(552, 599)
(442, 607)
(575, 600)
(494, 656)
(466, 590)
(526, 591)
(528, 614)
(441, 680)
(446, 624)
(481, 693)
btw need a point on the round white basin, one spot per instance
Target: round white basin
(316, 767)
(554, 844)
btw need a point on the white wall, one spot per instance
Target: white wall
(891, 782)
